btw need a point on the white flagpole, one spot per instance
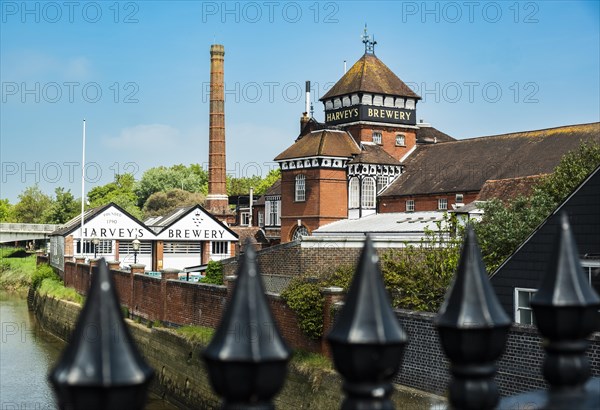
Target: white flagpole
(82, 190)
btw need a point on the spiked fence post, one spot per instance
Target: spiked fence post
(473, 328)
(566, 309)
(367, 341)
(101, 368)
(247, 358)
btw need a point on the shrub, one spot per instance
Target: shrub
(214, 273)
(305, 299)
(42, 272)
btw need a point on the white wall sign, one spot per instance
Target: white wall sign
(113, 224)
(197, 225)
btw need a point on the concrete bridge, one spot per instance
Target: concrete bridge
(13, 232)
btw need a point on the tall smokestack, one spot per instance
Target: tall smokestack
(305, 116)
(217, 201)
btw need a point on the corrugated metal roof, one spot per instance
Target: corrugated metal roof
(389, 223)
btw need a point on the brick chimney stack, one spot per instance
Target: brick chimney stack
(217, 200)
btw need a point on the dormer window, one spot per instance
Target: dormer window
(377, 137)
(400, 140)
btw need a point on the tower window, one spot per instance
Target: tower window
(353, 193)
(368, 193)
(400, 140)
(377, 137)
(300, 188)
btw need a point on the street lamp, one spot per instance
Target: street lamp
(136, 247)
(96, 242)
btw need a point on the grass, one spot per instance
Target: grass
(196, 334)
(303, 360)
(15, 271)
(54, 287)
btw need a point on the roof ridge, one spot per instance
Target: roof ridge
(515, 133)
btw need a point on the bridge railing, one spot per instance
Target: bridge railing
(367, 341)
(23, 227)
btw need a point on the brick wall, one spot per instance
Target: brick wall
(290, 259)
(147, 298)
(195, 304)
(422, 202)
(425, 367)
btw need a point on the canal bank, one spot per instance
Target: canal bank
(180, 375)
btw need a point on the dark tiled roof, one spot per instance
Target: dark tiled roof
(431, 135)
(369, 74)
(165, 220)
(465, 165)
(249, 232)
(333, 143)
(373, 154)
(508, 188)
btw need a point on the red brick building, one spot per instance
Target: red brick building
(372, 156)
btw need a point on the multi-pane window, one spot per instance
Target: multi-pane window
(104, 247)
(261, 219)
(523, 311)
(274, 216)
(300, 232)
(382, 181)
(377, 137)
(442, 203)
(400, 140)
(245, 218)
(219, 248)
(300, 188)
(354, 193)
(410, 205)
(368, 193)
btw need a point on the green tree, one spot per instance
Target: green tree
(267, 181)
(6, 211)
(120, 192)
(161, 203)
(32, 206)
(241, 186)
(162, 179)
(63, 208)
(506, 224)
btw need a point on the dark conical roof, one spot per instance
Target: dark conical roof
(369, 74)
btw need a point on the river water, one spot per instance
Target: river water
(27, 353)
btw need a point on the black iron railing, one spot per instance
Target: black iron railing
(367, 341)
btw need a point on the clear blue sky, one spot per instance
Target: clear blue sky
(138, 73)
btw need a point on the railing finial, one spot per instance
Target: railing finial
(101, 367)
(247, 358)
(566, 312)
(473, 328)
(367, 341)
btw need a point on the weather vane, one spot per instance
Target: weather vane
(368, 42)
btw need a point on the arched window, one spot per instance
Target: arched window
(353, 193)
(368, 193)
(300, 232)
(300, 188)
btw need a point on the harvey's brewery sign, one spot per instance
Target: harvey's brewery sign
(370, 113)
